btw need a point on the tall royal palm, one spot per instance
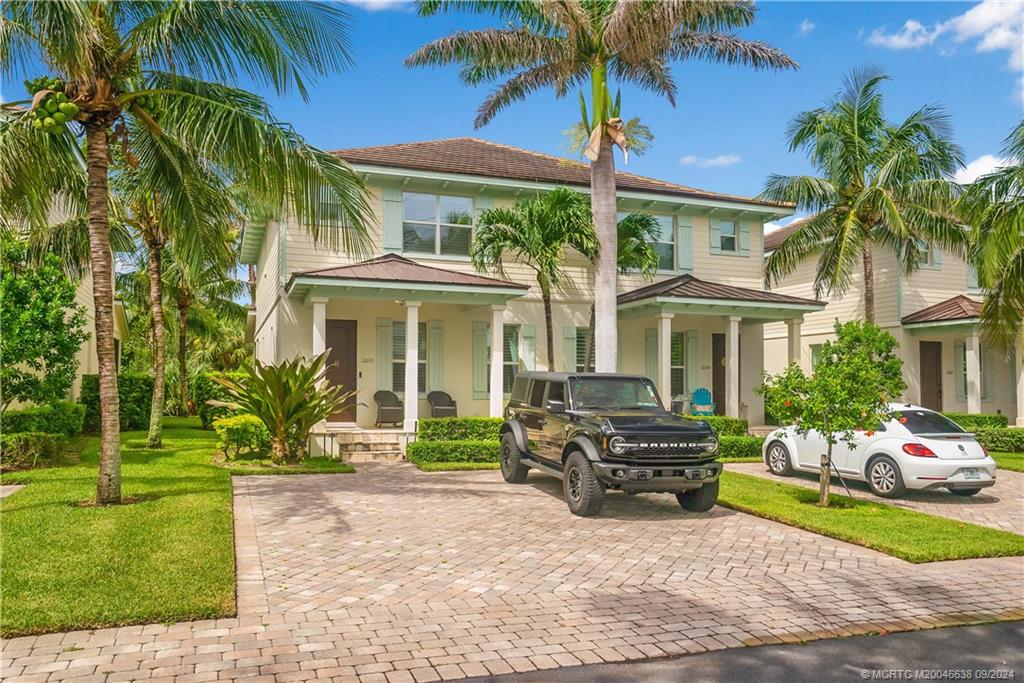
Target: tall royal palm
(148, 63)
(570, 44)
(879, 184)
(537, 232)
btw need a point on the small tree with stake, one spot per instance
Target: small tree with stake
(849, 391)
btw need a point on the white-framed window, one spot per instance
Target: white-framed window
(664, 242)
(509, 358)
(398, 357)
(581, 348)
(924, 253)
(677, 363)
(728, 235)
(441, 225)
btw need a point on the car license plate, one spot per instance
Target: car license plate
(971, 473)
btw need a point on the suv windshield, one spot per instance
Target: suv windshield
(927, 422)
(612, 393)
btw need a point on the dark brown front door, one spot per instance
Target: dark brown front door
(931, 374)
(718, 372)
(341, 363)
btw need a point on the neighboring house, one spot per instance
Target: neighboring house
(412, 316)
(88, 363)
(932, 313)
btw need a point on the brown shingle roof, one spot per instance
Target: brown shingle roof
(957, 308)
(772, 240)
(471, 156)
(689, 287)
(395, 268)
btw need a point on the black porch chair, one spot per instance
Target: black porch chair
(442, 405)
(390, 409)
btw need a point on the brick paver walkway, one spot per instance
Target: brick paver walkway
(394, 575)
(1000, 506)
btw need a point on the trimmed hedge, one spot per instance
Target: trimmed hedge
(723, 426)
(62, 417)
(136, 394)
(453, 451)
(974, 421)
(739, 447)
(204, 389)
(1008, 440)
(459, 429)
(25, 450)
(242, 435)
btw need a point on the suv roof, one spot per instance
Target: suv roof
(562, 376)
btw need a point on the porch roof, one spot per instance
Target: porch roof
(958, 310)
(690, 295)
(395, 277)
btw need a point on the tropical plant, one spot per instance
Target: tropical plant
(146, 63)
(637, 135)
(582, 44)
(857, 375)
(994, 206)
(536, 232)
(289, 398)
(879, 184)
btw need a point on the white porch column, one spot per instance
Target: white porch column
(793, 341)
(665, 358)
(1019, 355)
(732, 367)
(972, 348)
(412, 365)
(497, 395)
(319, 324)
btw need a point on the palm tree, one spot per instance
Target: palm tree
(582, 44)
(994, 206)
(147, 62)
(879, 184)
(537, 231)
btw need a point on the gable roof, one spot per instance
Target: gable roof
(772, 240)
(958, 308)
(689, 287)
(395, 268)
(472, 156)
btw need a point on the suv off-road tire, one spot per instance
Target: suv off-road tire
(512, 468)
(583, 491)
(699, 500)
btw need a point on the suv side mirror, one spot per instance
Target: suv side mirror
(555, 407)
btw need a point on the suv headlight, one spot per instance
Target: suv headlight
(712, 445)
(617, 445)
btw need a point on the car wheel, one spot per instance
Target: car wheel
(779, 462)
(699, 500)
(965, 492)
(584, 493)
(884, 478)
(512, 468)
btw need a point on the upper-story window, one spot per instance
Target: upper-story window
(664, 242)
(924, 252)
(727, 232)
(436, 224)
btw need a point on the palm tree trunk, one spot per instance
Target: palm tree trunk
(183, 307)
(869, 284)
(588, 363)
(602, 200)
(545, 295)
(108, 484)
(156, 408)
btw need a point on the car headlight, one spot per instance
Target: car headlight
(617, 445)
(712, 445)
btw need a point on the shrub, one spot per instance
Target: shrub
(475, 450)
(135, 391)
(205, 389)
(62, 417)
(974, 421)
(723, 426)
(29, 449)
(459, 429)
(241, 434)
(739, 447)
(1006, 440)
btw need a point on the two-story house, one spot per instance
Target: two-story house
(934, 315)
(414, 316)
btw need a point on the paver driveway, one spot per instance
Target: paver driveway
(1000, 506)
(395, 575)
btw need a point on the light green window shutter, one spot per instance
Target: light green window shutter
(684, 236)
(435, 355)
(651, 353)
(936, 258)
(744, 238)
(960, 370)
(481, 330)
(570, 361)
(391, 240)
(988, 380)
(972, 278)
(692, 347)
(715, 235)
(384, 359)
(483, 202)
(528, 346)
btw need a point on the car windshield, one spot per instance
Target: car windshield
(612, 393)
(928, 422)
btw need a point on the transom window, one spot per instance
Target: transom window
(727, 231)
(509, 357)
(436, 224)
(398, 357)
(664, 242)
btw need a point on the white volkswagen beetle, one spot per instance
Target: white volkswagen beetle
(917, 449)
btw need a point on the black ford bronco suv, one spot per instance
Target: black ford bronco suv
(597, 431)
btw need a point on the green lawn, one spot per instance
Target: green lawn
(456, 466)
(1009, 461)
(166, 558)
(260, 466)
(912, 536)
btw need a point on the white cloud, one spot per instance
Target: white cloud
(772, 227)
(913, 34)
(720, 161)
(806, 26)
(377, 5)
(986, 163)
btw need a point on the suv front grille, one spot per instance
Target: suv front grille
(662, 451)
